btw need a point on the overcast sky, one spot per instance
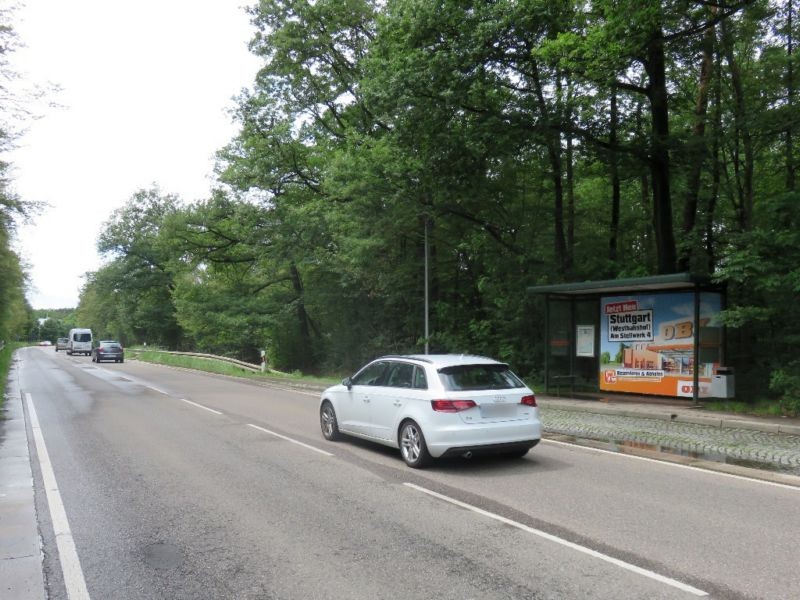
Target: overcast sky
(145, 93)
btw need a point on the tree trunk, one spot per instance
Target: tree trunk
(790, 170)
(570, 187)
(615, 186)
(554, 150)
(655, 68)
(716, 171)
(644, 182)
(302, 316)
(697, 149)
(745, 175)
(570, 205)
(553, 141)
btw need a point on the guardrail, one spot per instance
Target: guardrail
(240, 363)
(285, 377)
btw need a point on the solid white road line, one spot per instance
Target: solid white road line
(676, 465)
(211, 410)
(288, 439)
(67, 554)
(538, 532)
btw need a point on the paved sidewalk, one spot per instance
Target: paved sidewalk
(20, 547)
(769, 443)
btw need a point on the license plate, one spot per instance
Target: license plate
(498, 411)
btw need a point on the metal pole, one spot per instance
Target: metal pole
(696, 348)
(427, 332)
(546, 343)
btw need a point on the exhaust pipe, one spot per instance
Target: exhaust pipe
(467, 454)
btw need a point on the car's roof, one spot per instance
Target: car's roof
(439, 361)
(108, 342)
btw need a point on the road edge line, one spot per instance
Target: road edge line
(74, 580)
(676, 464)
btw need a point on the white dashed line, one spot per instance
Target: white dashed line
(583, 549)
(288, 439)
(155, 389)
(74, 580)
(676, 465)
(211, 410)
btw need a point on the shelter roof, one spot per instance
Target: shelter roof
(673, 281)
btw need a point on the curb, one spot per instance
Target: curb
(765, 475)
(664, 413)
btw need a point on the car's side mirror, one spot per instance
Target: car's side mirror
(347, 382)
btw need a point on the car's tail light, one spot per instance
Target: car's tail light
(99, 350)
(528, 400)
(452, 405)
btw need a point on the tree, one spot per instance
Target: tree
(15, 312)
(533, 141)
(131, 296)
(626, 45)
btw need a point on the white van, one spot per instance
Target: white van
(80, 342)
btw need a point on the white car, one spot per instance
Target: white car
(431, 406)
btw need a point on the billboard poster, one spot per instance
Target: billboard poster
(647, 343)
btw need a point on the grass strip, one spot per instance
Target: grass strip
(5, 366)
(211, 365)
(761, 408)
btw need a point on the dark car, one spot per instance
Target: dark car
(108, 350)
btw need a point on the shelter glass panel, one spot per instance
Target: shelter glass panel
(585, 355)
(559, 342)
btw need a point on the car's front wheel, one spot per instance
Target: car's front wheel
(328, 422)
(413, 447)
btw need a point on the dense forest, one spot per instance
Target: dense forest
(16, 318)
(523, 141)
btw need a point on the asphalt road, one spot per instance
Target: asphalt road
(178, 485)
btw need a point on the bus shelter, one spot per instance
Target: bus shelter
(659, 335)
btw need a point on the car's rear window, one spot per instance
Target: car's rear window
(479, 377)
(82, 337)
(110, 345)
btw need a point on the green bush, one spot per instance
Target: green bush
(786, 382)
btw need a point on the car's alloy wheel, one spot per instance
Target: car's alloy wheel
(413, 446)
(328, 423)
